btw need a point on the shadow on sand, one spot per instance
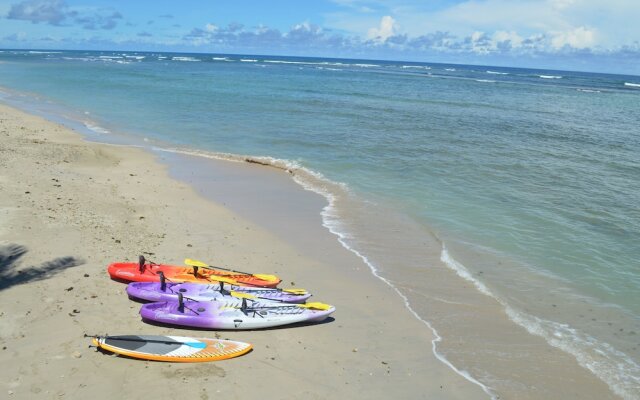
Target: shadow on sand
(10, 255)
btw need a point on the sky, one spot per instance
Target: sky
(586, 35)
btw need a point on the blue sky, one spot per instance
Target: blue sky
(593, 35)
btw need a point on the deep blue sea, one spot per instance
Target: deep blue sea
(530, 176)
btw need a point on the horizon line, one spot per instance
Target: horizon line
(323, 57)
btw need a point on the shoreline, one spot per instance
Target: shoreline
(399, 289)
(450, 296)
(305, 217)
(80, 194)
(513, 332)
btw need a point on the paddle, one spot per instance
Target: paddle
(242, 295)
(264, 277)
(195, 345)
(312, 306)
(299, 292)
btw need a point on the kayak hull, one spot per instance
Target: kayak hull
(154, 291)
(149, 272)
(228, 315)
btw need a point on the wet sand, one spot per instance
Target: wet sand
(478, 336)
(69, 207)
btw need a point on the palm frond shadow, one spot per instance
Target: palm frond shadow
(10, 275)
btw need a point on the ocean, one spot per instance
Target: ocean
(529, 180)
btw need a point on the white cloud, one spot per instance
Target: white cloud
(579, 38)
(514, 39)
(612, 25)
(58, 13)
(306, 27)
(305, 36)
(387, 37)
(53, 12)
(386, 29)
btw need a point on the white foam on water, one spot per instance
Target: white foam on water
(95, 128)
(106, 59)
(497, 73)
(77, 58)
(462, 272)
(635, 85)
(588, 90)
(220, 58)
(185, 59)
(291, 167)
(289, 62)
(43, 52)
(485, 80)
(449, 69)
(615, 368)
(332, 222)
(416, 66)
(365, 65)
(306, 63)
(248, 60)
(550, 76)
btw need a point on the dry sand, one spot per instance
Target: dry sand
(70, 207)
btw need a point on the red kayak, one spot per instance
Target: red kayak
(145, 271)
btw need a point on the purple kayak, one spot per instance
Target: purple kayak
(168, 291)
(234, 313)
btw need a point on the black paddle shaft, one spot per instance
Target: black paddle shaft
(126, 339)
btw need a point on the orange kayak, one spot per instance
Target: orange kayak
(146, 271)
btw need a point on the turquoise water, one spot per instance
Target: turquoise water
(540, 169)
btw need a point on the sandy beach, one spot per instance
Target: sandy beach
(70, 207)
